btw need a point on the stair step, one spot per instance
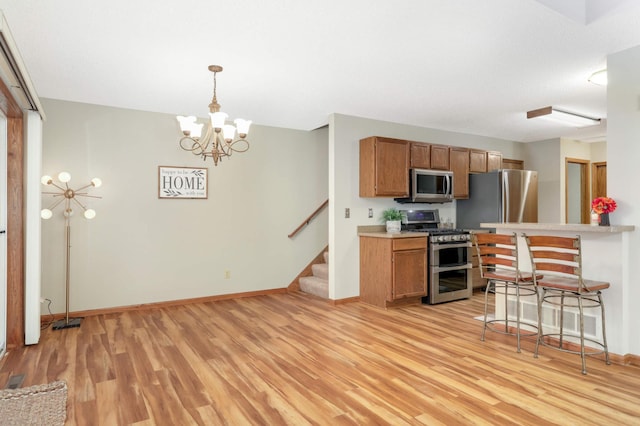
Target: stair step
(320, 270)
(316, 286)
(326, 257)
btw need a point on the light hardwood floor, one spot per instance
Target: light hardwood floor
(294, 359)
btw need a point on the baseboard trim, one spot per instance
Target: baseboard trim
(143, 306)
(336, 302)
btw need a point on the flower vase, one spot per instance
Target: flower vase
(604, 219)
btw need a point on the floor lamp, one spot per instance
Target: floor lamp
(67, 196)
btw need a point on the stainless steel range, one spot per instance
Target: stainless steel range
(449, 251)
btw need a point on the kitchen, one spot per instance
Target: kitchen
(618, 236)
(418, 172)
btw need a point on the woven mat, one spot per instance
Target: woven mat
(34, 405)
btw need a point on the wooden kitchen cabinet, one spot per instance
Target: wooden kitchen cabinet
(420, 155)
(494, 160)
(460, 168)
(508, 163)
(384, 167)
(477, 161)
(393, 271)
(440, 157)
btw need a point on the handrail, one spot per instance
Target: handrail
(309, 219)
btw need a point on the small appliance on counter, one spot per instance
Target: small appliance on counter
(501, 196)
(449, 252)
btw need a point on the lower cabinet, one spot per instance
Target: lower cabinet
(393, 271)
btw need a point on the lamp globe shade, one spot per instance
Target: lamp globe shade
(64, 177)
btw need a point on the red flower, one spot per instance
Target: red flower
(603, 205)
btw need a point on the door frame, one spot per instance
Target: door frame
(15, 219)
(594, 178)
(585, 187)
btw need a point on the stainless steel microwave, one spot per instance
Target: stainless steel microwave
(429, 186)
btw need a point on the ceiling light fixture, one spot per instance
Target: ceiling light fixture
(564, 117)
(599, 78)
(219, 139)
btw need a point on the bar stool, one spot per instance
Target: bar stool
(498, 262)
(560, 260)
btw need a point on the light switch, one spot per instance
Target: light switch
(347, 213)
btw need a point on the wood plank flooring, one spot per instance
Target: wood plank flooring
(293, 359)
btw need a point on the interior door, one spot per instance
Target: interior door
(3, 234)
(577, 200)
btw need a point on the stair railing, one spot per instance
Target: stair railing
(309, 219)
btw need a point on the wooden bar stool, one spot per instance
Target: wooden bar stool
(560, 260)
(498, 262)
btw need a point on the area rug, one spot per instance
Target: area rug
(34, 405)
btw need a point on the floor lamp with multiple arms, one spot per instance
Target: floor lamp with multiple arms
(68, 197)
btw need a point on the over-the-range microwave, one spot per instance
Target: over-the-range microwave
(429, 186)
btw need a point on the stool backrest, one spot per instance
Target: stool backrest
(496, 252)
(557, 256)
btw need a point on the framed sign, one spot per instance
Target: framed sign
(182, 182)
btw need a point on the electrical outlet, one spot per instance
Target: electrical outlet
(347, 213)
(370, 213)
(42, 299)
(227, 275)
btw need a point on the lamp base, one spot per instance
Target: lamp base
(61, 324)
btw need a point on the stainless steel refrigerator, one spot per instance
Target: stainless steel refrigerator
(502, 196)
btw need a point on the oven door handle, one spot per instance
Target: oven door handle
(436, 246)
(437, 269)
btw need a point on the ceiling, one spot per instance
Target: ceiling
(460, 65)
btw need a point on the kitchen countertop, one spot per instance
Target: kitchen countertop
(379, 231)
(564, 227)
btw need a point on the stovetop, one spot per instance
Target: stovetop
(429, 221)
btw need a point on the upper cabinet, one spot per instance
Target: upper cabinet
(459, 160)
(484, 161)
(508, 163)
(420, 155)
(440, 157)
(384, 167)
(494, 161)
(477, 161)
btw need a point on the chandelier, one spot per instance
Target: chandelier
(219, 139)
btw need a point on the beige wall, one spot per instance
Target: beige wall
(141, 249)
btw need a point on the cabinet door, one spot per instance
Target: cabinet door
(384, 167)
(409, 273)
(477, 161)
(392, 168)
(440, 157)
(420, 155)
(512, 164)
(494, 160)
(460, 169)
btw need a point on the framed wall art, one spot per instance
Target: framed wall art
(182, 182)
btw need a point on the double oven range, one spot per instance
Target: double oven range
(449, 256)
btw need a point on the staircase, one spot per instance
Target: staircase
(318, 283)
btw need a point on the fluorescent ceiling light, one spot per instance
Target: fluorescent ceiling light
(599, 78)
(564, 117)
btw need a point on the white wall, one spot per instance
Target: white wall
(344, 136)
(141, 249)
(623, 173)
(544, 156)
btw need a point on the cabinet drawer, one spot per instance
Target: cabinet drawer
(409, 243)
